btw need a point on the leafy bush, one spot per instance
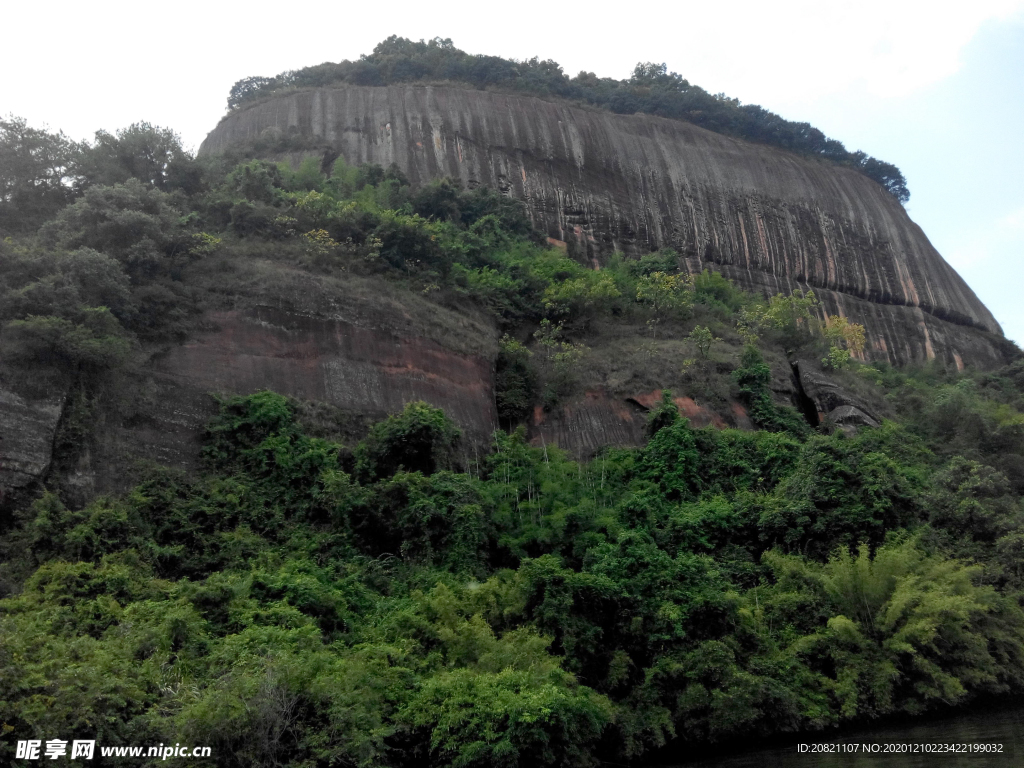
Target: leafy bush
(902, 629)
(713, 290)
(96, 342)
(843, 491)
(753, 378)
(515, 382)
(420, 439)
(142, 151)
(139, 227)
(550, 610)
(36, 173)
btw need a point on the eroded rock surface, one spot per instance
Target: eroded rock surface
(831, 401)
(329, 360)
(27, 429)
(370, 371)
(768, 219)
(600, 419)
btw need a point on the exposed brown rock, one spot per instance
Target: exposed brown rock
(766, 218)
(317, 358)
(369, 371)
(599, 419)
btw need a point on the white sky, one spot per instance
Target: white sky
(937, 89)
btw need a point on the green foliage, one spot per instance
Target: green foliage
(975, 415)
(664, 414)
(789, 319)
(582, 297)
(665, 261)
(142, 151)
(560, 358)
(409, 242)
(836, 359)
(901, 630)
(258, 181)
(137, 226)
(37, 170)
(65, 312)
(95, 342)
(702, 338)
(687, 463)
(973, 500)
(308, 177)
(322, 251)
(244, 424)
(506, 719)
(666, 295)
(753, 378)
(713, 290)
(298, 605)
(501, 293)
(671, 460)
(845, 339)
(40, 283)
(420, 439)
(515, 381)
(438, 520)
(845, 491)
(439, 200)
(42, 172)
(732, 460)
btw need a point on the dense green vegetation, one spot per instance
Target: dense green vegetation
(301, 604)
(313, 600)
(651, 89)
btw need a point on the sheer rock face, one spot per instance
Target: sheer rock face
(360, 368)
(769, 220)
(324, 359)
(27, 429)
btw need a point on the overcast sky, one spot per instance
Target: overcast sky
(937, 89)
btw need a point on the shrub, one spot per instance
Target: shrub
(420, 439)
(753, 378)
(515, 381)
(138, 226)
(96, 342)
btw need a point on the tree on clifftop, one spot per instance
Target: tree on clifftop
(36, 172)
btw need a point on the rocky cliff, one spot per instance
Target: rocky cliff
(27, 429)
(770, 220)
(595, 182)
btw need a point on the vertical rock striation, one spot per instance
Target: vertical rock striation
(770, 220)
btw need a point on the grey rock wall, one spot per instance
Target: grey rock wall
(766, 218)
(27, 429)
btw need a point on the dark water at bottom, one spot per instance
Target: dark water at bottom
(911, 746)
